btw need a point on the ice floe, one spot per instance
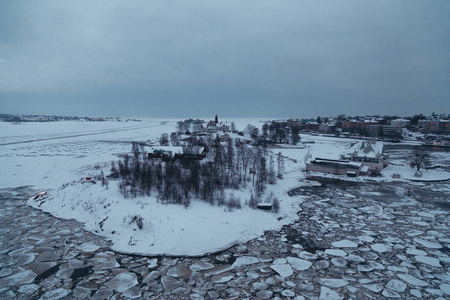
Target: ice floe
(344, 244)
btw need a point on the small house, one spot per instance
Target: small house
(265, 206)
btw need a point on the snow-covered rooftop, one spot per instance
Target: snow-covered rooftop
(336, 162)
(364, 169)
(365, 148)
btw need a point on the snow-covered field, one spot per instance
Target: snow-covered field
(56, 157)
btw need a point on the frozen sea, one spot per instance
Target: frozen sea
(360, 240)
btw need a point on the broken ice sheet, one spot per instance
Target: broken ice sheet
(344, 244)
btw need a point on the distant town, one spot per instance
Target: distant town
(371, 126)
(374, 126)
(52, 118)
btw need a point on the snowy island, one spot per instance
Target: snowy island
(69, 162)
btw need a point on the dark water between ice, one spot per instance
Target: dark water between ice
(386, 192)
(400, 146)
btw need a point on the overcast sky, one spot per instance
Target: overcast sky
(235, 58)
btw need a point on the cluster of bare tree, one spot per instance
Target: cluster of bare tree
(281, 133)
(189, 125)
(229, 165)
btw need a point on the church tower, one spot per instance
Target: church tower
(216, 120)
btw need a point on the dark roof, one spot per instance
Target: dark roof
(335, 163)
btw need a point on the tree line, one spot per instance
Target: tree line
(274, 132)
(229, 165)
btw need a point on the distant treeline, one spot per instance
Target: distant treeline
(52, 118)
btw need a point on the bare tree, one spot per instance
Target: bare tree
(182, 127)
(175, 139)
(135, 150)
(261, 178)
(295, 136)
(281, 134)
(275, 205)
(113, 171)
(246, 156)
(252, 131)
(253, 202)
(280, 163)
(419, 159)
(164, 139)
(230, 157)
(272, 174)
(233, 127)
(197, 127)
(264, 128)
(103, 179)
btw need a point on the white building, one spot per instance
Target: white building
(400, 122)
(369, 154)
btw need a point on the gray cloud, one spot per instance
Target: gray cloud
(237, 58)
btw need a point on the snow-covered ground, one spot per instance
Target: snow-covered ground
(330, 147)
(56, 157)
